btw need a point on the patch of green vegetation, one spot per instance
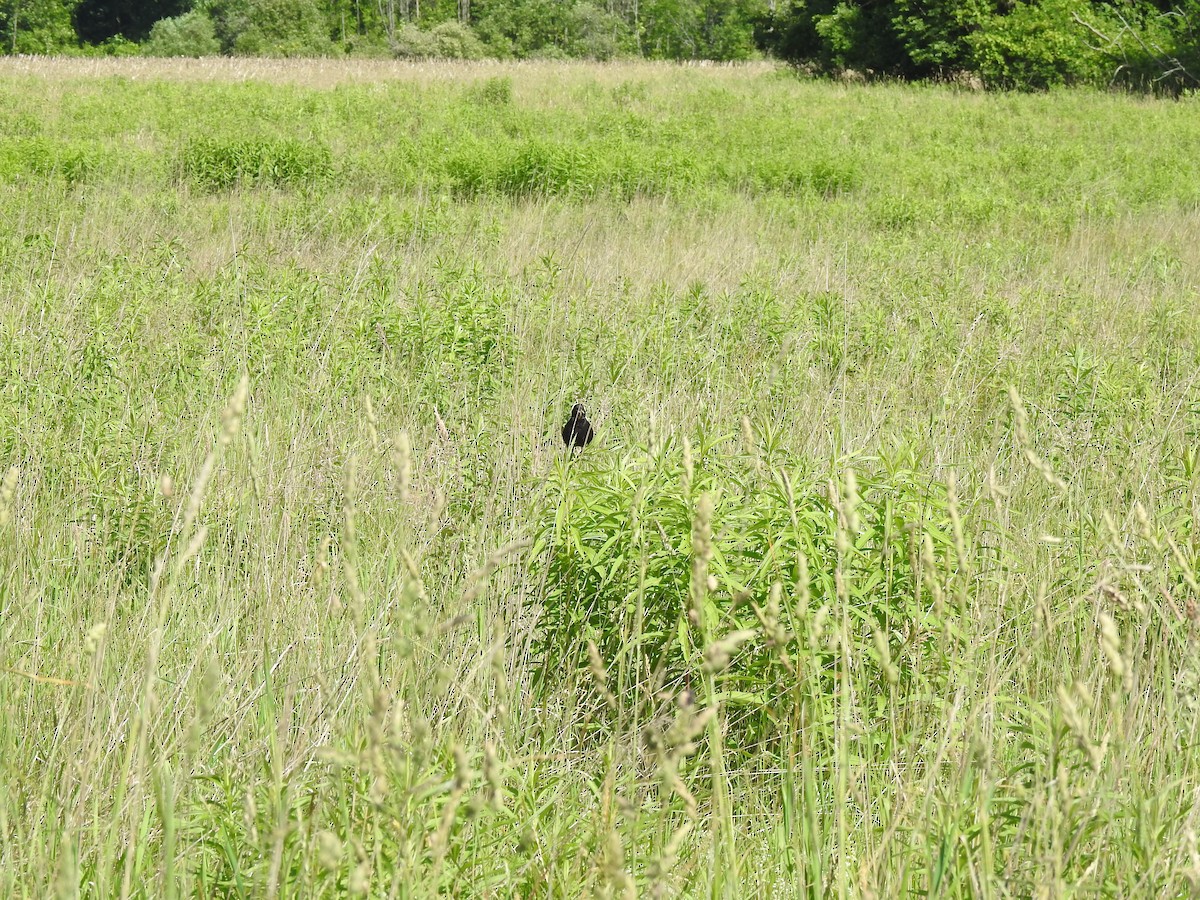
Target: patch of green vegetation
(632, 567)
(71, 161)
(215, 165)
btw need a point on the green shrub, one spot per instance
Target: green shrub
(492, 92)
(453, 40)
(1010, 44)
(448, 40)
(271, 27)
(1037, 46)
(583, 168)
(366, 46)
(470, 169)
(413, 43)
(934, 33)
(454, 336)
(191, 34)
(617, 555)
(548, 168)
(829, 177)
(522, 28)
(215, 164)
(41, 157)
(714, 29)
(835, 36)
(118, 45)
(825, 177)
(532, 168)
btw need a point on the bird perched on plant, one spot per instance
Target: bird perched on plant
(578, 430)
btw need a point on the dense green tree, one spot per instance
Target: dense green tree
(271, 27)
(1037, 45)
(191, 34)
(835, 34)
(36, 26)
(935, 34)
(595, 33)
(360, 17)
(1154, 45)
(1023, 44)
(698, 29)
(521, 27)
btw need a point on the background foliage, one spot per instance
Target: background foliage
(1023, 44)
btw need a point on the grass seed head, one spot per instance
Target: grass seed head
(1146, 526)
(816, 631)
(1110, 643)
(321, 568)
(851, 501)
(750, 443)
(775, 636)
(1070, 701)
(660, 869)
(359, 882)
(95, 637)
(956, 526)
(929, 570)
(329, 851)
(688, 725)
(402, 455)
(463, 773)
(1021, 426)
(599, 674)
(891, 673)
(231, 418)
(619, 881)
(493, 774)
(702, 553)
(1042, 623)
(372, 421)
(803, 589)
(718, 654)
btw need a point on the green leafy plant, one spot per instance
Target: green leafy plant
(1038, 46)
(214, 164)
(191, 34)
(617, 555)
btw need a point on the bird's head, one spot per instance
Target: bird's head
(577, 411)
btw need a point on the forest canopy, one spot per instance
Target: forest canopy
(1007, 44)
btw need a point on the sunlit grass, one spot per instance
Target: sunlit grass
(879, 577)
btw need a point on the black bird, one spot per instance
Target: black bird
(578, 430)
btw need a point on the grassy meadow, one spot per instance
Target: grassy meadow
(879, 580)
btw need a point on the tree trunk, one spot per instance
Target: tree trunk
(387, 12)
(15, 15)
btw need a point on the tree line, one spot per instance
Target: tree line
(1013, 44)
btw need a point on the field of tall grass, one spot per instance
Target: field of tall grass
(879, 579)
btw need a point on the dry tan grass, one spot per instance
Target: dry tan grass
(327, 73)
